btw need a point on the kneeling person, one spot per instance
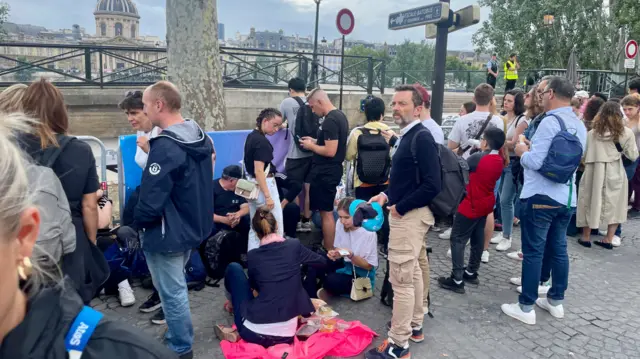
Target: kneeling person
(485, 168)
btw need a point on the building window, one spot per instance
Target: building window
(103, 29)
(118, 29)
(133, 31)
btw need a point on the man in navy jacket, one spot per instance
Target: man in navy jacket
(415, 180)
(175, 209)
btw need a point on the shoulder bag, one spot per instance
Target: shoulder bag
(462, 150)
(361, 288)
(247, 189)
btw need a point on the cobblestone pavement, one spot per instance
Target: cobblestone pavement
(602, 310)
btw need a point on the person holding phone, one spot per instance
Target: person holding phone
(355, 250)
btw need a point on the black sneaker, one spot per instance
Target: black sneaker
(417, 335)
(449, 284)
(471, 278)
(158, 318)
(386, 350)
(152, 304)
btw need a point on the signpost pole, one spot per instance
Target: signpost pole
(341, 72)
(626, 78)
(437, 87)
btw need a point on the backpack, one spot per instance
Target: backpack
(454, 175)
(564, 156)
(57, 235)
(215, 254)
(195, 272)
(307, 123)
(373, 163)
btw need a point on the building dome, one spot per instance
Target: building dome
(116, 7)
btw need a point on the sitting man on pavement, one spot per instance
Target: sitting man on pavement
(230, 211)
(362, 257)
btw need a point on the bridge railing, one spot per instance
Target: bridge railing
(104, 66)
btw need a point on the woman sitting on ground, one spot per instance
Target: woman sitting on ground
(602, 200)
(271, 316)
(359, 248)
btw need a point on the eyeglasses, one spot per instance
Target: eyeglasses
(546, 91)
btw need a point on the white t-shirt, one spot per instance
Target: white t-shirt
(435, 129)
(360, 241)
(141, 156)
(468, 126)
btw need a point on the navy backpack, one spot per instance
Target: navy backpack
(564, 156)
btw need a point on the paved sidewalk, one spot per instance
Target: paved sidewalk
(602, 310)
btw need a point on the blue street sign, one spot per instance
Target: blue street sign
(423, 15)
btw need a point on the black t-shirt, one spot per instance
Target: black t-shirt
(225, 202)
(334, 127)
(257, 148)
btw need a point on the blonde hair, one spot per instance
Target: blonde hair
(16, 197)
(11, 98)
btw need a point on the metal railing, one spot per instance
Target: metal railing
(105, 66)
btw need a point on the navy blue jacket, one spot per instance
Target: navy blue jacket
(404, 191)
(175, 209)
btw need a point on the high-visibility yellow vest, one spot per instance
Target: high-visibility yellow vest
(510, 74)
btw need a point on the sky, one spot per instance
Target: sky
(292, 16)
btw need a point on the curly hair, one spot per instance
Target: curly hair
(590, 112)
(609, 121)
(266, 114)
(535, 108)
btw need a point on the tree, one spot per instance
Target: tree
(627, 13)
(26, 74)
(586, 24)
(413, 62)
(357, 68)
(4, 15)
(194, 60)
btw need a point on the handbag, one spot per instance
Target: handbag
(247, 189)
(361, 288)
(461, 150)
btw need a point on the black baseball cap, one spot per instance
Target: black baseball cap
(233, 171)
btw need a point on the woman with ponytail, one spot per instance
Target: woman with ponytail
(258, 155)
(266, 305)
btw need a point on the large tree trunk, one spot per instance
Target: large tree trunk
(194, 60)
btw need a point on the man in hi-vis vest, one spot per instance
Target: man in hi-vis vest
(511, 72)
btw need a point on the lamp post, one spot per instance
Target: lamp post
(324, 48)
(547, 21)
(314, 62)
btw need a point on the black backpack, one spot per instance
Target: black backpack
(307, 123)
(373, 163)
(455, 177)
(215, 253)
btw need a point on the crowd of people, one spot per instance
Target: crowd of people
(56, 266)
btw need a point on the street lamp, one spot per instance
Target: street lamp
(314, 63)
(547, 21)
(324, 47)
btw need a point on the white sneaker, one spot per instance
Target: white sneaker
(602, 233)
(616, 241)
(504, 245)
(445, 235)
(449, 253)
(485, 257)
(127, 298)
(304, 227)
(497, 239)
(542, 290)
(516, 280)
(515, 255)
(515, 312)
(555, 311)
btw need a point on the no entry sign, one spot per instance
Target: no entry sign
(631, 49)
(345, 21)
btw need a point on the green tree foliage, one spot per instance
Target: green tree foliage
(26, 74)
(627, 13)
(517, 26)
(356, 68)
(4, 15)
(413, 62)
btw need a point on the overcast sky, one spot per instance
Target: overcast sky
(292, 16)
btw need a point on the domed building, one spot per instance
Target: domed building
(117, 18)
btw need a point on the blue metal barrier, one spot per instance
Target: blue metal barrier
(229, 150)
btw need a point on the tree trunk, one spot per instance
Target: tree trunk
(194, 60)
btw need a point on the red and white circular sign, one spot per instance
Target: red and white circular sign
(631, 49)
(345, 21)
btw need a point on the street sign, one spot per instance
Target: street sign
(462, 18)
(423, 15)
(629, 64)
(345, 21)
(631, 49)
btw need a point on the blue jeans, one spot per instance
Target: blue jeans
(544, 240)
(237, 284)
(508, 195)
(167, 273)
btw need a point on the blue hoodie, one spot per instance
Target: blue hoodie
(175, 209)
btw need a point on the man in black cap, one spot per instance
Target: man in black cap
(230, 212)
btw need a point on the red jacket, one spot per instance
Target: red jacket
(484, 171)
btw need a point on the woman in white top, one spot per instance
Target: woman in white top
(514, 105)
(355, 250)
(133, 108)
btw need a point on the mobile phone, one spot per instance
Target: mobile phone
(343, 252)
